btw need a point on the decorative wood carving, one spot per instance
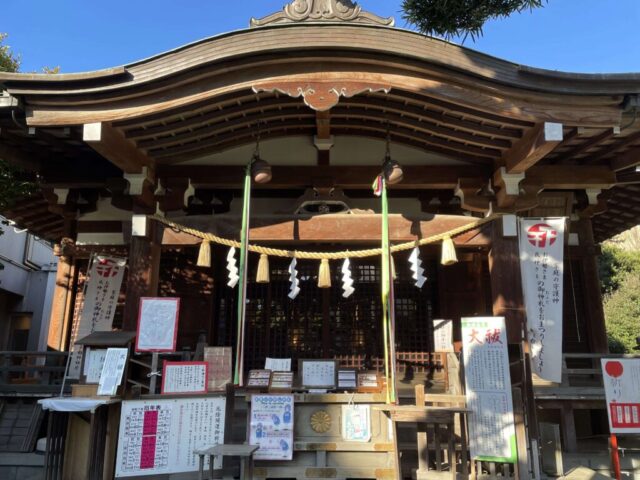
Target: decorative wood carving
(321, 96)
(322, 11)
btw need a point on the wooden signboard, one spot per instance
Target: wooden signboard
(369, 382)
(220, 367)
(259, 380)
(347, 379)
(281, 382)
(318, 374)
(184, 377)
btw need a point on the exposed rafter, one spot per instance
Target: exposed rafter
(112, 145)
(533, 147)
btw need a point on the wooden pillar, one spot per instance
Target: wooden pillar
(506, 283)
(591, 289)
(61, 306)
(142, 277)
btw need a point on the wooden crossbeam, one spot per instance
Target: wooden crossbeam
(533, 147)
(560, 177)
(112, 145)
(629, 159)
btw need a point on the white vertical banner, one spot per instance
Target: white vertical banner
(101, 292)
(542, 269)
(492, 434)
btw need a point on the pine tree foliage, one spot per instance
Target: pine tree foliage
(451, 18)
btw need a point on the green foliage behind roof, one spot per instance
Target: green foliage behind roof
(449, 18)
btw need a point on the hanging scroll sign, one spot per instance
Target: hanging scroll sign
(102, 289)
(541, 267)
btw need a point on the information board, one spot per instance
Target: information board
(111, 376)
(277, 364)
(93, 363)
(621, 378)
(318, 373)
(271, 426)
(184, 377)
(157, 325)
(158, 437)
(443, 335)
(220, 367)
(492, 435)
(356, 423)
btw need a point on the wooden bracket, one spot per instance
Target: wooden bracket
(531, 148)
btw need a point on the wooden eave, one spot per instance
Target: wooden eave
(215, 94)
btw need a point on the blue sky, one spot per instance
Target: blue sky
(81, 35)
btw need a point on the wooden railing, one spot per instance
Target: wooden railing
(581, 378)
(31, 373)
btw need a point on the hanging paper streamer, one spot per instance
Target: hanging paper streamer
(416, 268)
(347, 280)
(293, 278)
(232, 268)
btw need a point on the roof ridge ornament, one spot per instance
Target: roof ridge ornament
(336, 11)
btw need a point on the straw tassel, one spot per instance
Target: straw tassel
(324, 276)
(449, 256)
(263, 269)
(204, 254)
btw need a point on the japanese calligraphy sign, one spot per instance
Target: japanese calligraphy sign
(443, 335)
(492, 435)
(157, 325)
(158, 437)
(184, 377)
(541, 267)
(102, 289)
(271, 426)
(621, 378)
(112, 369)
(220, 367)
(318, 374)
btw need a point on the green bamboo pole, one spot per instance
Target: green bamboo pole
(385, 288)
(242, 284)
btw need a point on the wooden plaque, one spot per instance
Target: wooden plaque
(347, 379)
(281, 382)
(369, 382)
(259, 380)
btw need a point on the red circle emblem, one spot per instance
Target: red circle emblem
(614, 369)
(107, 268)
(541, 235)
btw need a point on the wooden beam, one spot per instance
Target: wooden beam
(629, 159)
(436, 177)
(112, 145)
(353, 229)
(529, 150)
(571, 177)
(588, 143)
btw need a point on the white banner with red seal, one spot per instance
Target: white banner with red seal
(101, 292)
(542, 270)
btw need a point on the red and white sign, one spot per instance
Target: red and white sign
(184, 377)
(101, 293)
(157, 324)
(542, 271)
(621, 378)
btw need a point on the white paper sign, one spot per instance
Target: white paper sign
(541, 267)
(157, 324)
(319, 374)
(271, 426)
(101, 292)
(184, 377)
(492, 435)
(443, 335)
(112, 370)
(158, 437)
(93, 363)
(278, 364)
(621, 378)
(356, 423)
